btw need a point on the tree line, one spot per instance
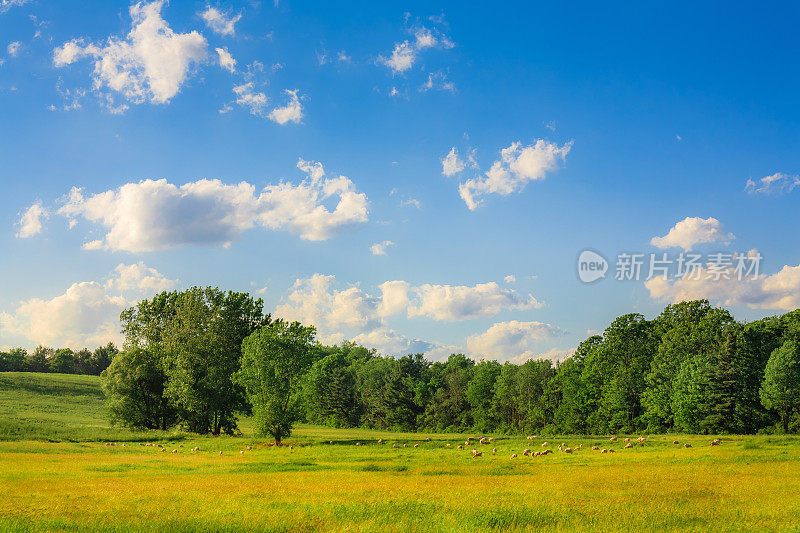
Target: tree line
(200, 358)
(58, 360)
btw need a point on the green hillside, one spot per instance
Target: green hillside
(55, 407)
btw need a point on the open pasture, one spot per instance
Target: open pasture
(745, 484)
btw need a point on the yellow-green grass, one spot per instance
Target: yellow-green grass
(746, 484)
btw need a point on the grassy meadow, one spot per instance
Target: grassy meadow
(56, 473)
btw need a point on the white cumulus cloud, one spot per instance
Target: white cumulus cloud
(379, 248)
(692, 231)
(155, 214)
(6, 5)
(511, 340)
(87, 313)
(774, 184)
(150, 64)
(219, 21)
(517, 166)
(226, 60)
(726, 286)
(32, 221)
(13, 48)
(291, 112)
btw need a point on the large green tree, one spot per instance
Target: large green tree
(780, 391)
(274, 359)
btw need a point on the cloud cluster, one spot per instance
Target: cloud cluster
(155, 214)
(32, 221)
(517, 166)
(775, 184)
(514, 340)
(780, 290)
(226, 60)
(342, 313)
(379, 248)
(150, 64)
(6, 5)
(220, 22)
(692, 231)
(87, 313)
(404, 54)
(291, 112)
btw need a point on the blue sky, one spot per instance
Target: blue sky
(623, 128)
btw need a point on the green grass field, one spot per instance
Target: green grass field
(56, 473)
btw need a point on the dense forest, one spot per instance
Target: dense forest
(200, 357)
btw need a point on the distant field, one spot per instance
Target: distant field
(79, 484)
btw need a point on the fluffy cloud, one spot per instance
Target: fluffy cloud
(379, 248)
(247, 96)
(692, 231)
(87, 313)
(516, 167)
(226, 60)
(6, 5)
(317, 300)
(780, 290)
(154, 214)
(511, 278)
(404, 54)
(150, 64)
(31, 221)
(349, 313)
(452, 164)
(220, 22)
(138, 277)
(449, 302)
(13, 48)
(291, 112)
(775, 184)
(512, 340)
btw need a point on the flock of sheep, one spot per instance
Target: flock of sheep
(563, 448)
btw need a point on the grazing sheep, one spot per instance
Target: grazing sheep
(416, 446)
(546, 452)
(249, 448)
(603, 451)
(405, 445)
(476, 453)
(628, 445)
(612, 439)
(567, 450)
(357, 444)
(460, 447)
(174, 451)
(494, 451)
(687, 445)
(469, 439)
(491, 439)
(675, 442)
(526, 452)
(427, 439)
(513, 456)
(291, 448)
(448, 445)
(716, 442)
(395, 445)
(242, 452)
(627, 439)
(611, 451)
(483, 440)
(380, 441)
(640, 439)
(544, 444)
(220, 452)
